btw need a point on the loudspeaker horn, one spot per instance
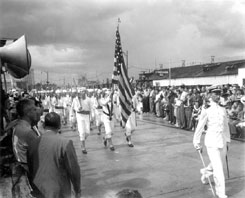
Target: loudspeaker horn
(17, 57)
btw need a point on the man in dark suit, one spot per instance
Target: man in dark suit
(53, 162)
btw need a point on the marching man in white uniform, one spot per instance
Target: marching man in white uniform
(59, 106)
(67, 105)
(98, 111)
(131, 122)
(216, 139)
(82, 107)
(107, 107)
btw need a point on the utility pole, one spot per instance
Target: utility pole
(47, 76)
(169, 73)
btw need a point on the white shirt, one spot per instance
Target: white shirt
(59, 102)
(215, 117)
(85, 104)
(151, 93)
(183, 96)
(46, 103)
(53, 101)
(106, 105)
(66, 101)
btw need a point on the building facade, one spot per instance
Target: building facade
(230, 72)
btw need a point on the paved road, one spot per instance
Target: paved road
(163, 163)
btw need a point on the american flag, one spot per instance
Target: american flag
(120, 77)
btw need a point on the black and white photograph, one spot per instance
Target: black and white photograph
(122, 98)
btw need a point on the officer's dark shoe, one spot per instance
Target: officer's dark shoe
(112, 148)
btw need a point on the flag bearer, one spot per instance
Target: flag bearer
(107, 107)
(131, 122)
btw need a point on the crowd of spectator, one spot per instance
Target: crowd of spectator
(182, 105)
(178, 105)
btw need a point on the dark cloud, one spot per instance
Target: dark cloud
(216, 19)
(73, 37)
(62, 22)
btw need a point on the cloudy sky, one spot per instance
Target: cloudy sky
(70, 38)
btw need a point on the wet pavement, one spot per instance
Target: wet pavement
(163, 163)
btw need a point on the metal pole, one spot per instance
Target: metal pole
(227, 164)
(209, 181)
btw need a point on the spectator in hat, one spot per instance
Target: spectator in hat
(216, 139)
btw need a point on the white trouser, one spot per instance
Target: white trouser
(130, 124)
(109, 125)
(117, 115)
(98, 117)
(67, 112)
(60, 112)
(83, 125)
(92, 114)
(217, 159)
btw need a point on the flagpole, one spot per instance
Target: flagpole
(118, 22)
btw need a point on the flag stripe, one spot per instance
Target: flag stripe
(123, 96)
(120, 77)
(128, 86)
